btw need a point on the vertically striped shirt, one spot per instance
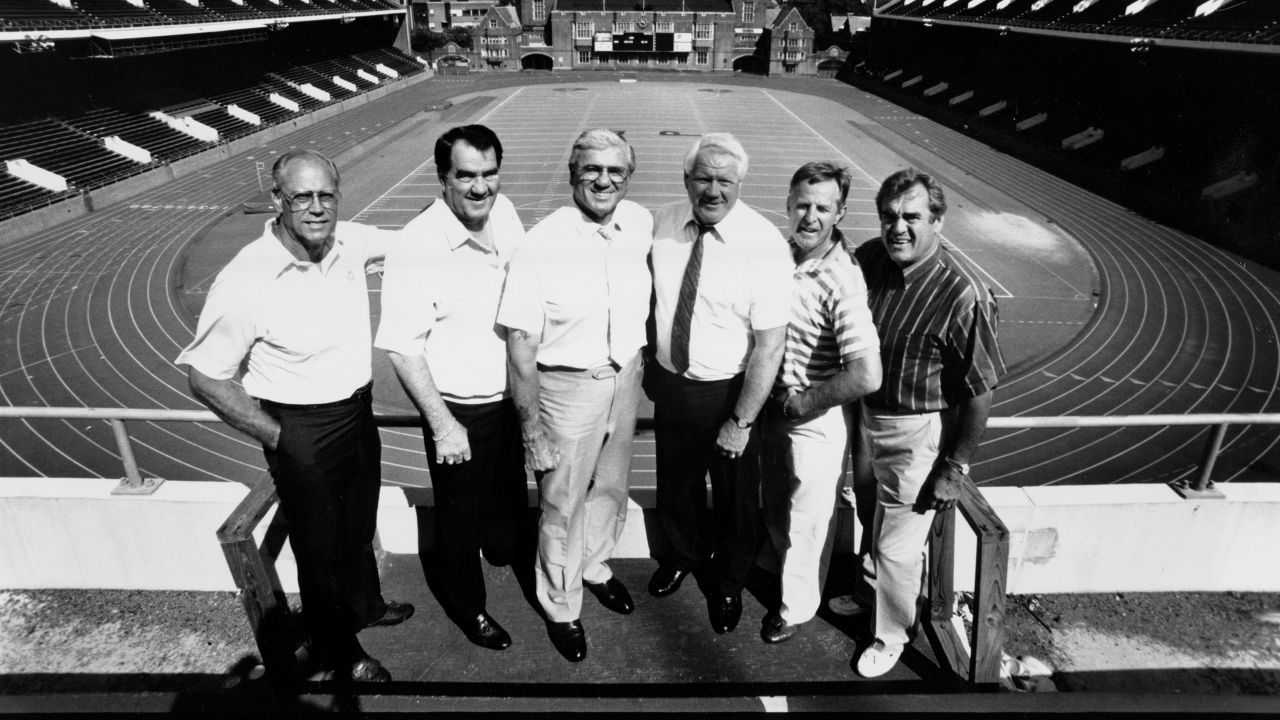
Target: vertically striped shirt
(937, 323)
(829, 320)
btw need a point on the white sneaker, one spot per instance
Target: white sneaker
(847, 606)
(878, 659)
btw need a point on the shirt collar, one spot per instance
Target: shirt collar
(722, 229)
(280, 257)
(588, 227)
(923, 266)
(455, 233)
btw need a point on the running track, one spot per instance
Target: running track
(92, 314)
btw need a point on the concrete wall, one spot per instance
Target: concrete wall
(45, 218)
(72, 533)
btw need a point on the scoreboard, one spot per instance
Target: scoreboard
(643, 42)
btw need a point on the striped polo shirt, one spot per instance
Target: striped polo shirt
(937, 323)
(829, 320)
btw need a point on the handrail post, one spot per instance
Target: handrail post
(133, 483)
(1203, 485)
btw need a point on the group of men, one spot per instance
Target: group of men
(532, 351)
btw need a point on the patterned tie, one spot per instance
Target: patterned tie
(680, 325)
(607, 234)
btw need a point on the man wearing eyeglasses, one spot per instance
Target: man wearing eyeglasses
(289, 318)
(440, 294)
(576, 301)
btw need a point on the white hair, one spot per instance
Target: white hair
(720, 143)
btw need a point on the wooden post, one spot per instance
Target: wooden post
(259, 586)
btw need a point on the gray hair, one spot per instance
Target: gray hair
(601, 139)
(903, 180)
(278, 167)
(720, 143)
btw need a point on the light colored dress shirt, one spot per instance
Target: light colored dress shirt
(745, 285)
(295, 331)
(440, 293)
(586, 296)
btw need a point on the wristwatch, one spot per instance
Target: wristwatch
(742, 424)
(962, 467)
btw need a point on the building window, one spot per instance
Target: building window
(702, 57)
(682, 59)
(789, 69)
(792, 27)
(583, 31)
(748, 12)
(584, 57)
(623, 26)
(664, 26)
(539, 10)
(664, 59)
(702, 31)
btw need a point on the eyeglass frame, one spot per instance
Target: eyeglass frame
(591, 173)
(291, 201)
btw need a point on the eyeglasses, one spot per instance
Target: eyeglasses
(593, 172)
(302, 201)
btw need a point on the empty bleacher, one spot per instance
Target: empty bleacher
(183, 12)
(163, 142)
(119, 12)
(58, 148)
(1241, 21)
(41, 15)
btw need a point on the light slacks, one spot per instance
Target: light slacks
(803, 463)
(902, 450)
(591, 418)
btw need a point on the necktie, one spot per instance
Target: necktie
(607, 234)
(680, 324)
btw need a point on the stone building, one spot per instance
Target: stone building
(690, 35)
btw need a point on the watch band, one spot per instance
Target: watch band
(742, 424)
(962, 467)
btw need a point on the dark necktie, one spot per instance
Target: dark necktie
(680, 324)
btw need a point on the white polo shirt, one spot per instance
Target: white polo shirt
(295, 331)
(588, 298)
(440, 292)
(745, 285)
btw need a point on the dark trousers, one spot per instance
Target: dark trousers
(480, 505)
(687, 419)
(326, 468)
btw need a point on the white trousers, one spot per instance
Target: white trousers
(591, 418)
(902, 450)
(804, 462)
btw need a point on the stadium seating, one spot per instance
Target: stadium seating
(1242, 21)
(42, 15)
(162, 141)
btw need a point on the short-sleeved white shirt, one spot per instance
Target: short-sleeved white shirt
(745, 285)
(585, 296)
(440, 293)
(295, 331)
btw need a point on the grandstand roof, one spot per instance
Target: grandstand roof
(646, 5)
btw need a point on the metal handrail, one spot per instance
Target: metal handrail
(133, 482)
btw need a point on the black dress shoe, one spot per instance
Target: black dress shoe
(396, 613)
(725, 612)
(569, 638)
(486, 632)
(666, 580)
(776, 630)
(613, 594)
(366, 669)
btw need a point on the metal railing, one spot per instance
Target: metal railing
(976, 662)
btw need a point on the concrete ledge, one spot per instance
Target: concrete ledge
(72, 533)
